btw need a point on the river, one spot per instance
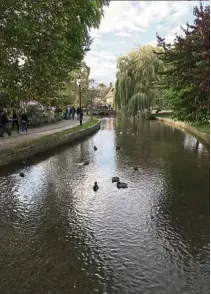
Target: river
(59, 236)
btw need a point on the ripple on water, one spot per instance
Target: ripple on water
(59, 236)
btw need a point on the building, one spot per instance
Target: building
(109, 98)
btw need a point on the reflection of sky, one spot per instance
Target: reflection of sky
(129, 228)
(190, 143)
(32, 184)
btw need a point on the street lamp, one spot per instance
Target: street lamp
(79, 90)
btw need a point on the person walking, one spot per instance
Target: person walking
(73, 112)
(78, 112)
(4, 123)
(15, 120)
(24, 122)
(68, 112)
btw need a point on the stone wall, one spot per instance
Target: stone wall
(19, 154)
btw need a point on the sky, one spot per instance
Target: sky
(129, 24)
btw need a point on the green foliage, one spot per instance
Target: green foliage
(137, 81)
(42, 42)
(69, 92)
(187, 69)
(38, 117)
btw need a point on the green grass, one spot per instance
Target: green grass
(90, 123)
(203, 128)
(163, 115)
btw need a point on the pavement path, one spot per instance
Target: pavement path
(16, 140)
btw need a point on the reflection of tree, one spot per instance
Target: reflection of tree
(152, 142)
(185, 201)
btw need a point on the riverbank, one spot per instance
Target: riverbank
(202, 132)
(20, 150)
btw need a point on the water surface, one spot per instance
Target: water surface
(58, 236)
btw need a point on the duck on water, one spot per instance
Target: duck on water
(95, 187)
(115, 179)
(121, 185)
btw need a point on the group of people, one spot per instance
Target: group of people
(105, 107)
(71, 111)
(5, 122)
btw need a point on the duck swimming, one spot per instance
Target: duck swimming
(95, 187)
(121, 185)
(115, 179)
(95, 148)
(135, 168)
(21, 174)
(86, 162)
(118, 147)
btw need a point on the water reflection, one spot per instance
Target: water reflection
(191, 143)
(58, 236)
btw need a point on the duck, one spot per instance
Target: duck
(95, 148)
(21, 174)
(135, 168)
(120, 133)
(121, 185)
(115, 179)
(95, 187)
(86, 162)
(118, 147)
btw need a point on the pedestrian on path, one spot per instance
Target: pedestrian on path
(78, 112)
(24, 122)
(68, 112)
(15, 120)
(4, 123)
(73, 112)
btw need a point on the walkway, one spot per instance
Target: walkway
(35, 133)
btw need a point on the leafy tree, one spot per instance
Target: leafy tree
(187, 69)
(69, 92)
(41, 42)
(137, 80)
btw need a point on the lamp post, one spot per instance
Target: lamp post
(79, 90)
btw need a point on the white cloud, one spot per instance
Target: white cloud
(132, 19)
(136, 16)
(103, 63)
(170, 36)
(122, 34)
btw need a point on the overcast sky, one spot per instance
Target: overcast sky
(129, 24)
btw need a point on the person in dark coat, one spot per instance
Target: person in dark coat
(15, 120)
(73, 112)
(24, 122)
(78, 112)
(4, 123)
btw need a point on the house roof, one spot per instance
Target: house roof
(110, 93)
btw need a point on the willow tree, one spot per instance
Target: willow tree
(137, 82)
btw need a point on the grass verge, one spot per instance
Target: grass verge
(203, 128)
(49, 138)
(162, 115)
(90, 123)
(200, 131)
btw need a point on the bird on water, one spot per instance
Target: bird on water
(95, 187)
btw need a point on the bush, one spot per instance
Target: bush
(38, 116)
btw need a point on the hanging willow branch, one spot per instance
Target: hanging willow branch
(137, 80)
